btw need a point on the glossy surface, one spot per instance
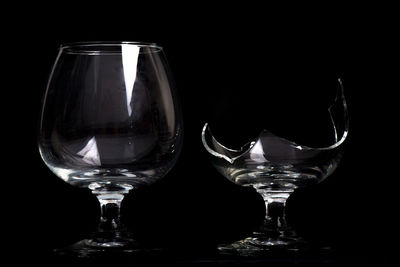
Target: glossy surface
(110, 114)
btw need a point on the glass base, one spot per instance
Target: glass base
(103, 248)
(262, 244)
(92, 247)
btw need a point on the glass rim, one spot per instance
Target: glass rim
(86, 46)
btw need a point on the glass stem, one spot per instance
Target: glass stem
(110, 232)
(110, 197)
(275, 202)
(110, 220)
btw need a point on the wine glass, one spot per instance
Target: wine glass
(274, 164)
(110, 122)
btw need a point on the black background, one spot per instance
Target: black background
(194, 205)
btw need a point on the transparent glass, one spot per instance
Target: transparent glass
(110, 122)
(276, 166)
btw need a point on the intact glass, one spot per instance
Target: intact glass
(110, 122)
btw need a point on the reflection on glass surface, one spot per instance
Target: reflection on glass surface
(90, 153)
(130, 56)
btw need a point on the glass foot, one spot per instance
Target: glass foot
(260, 244)
(92, 247)
(254, 246)
(103, 248)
